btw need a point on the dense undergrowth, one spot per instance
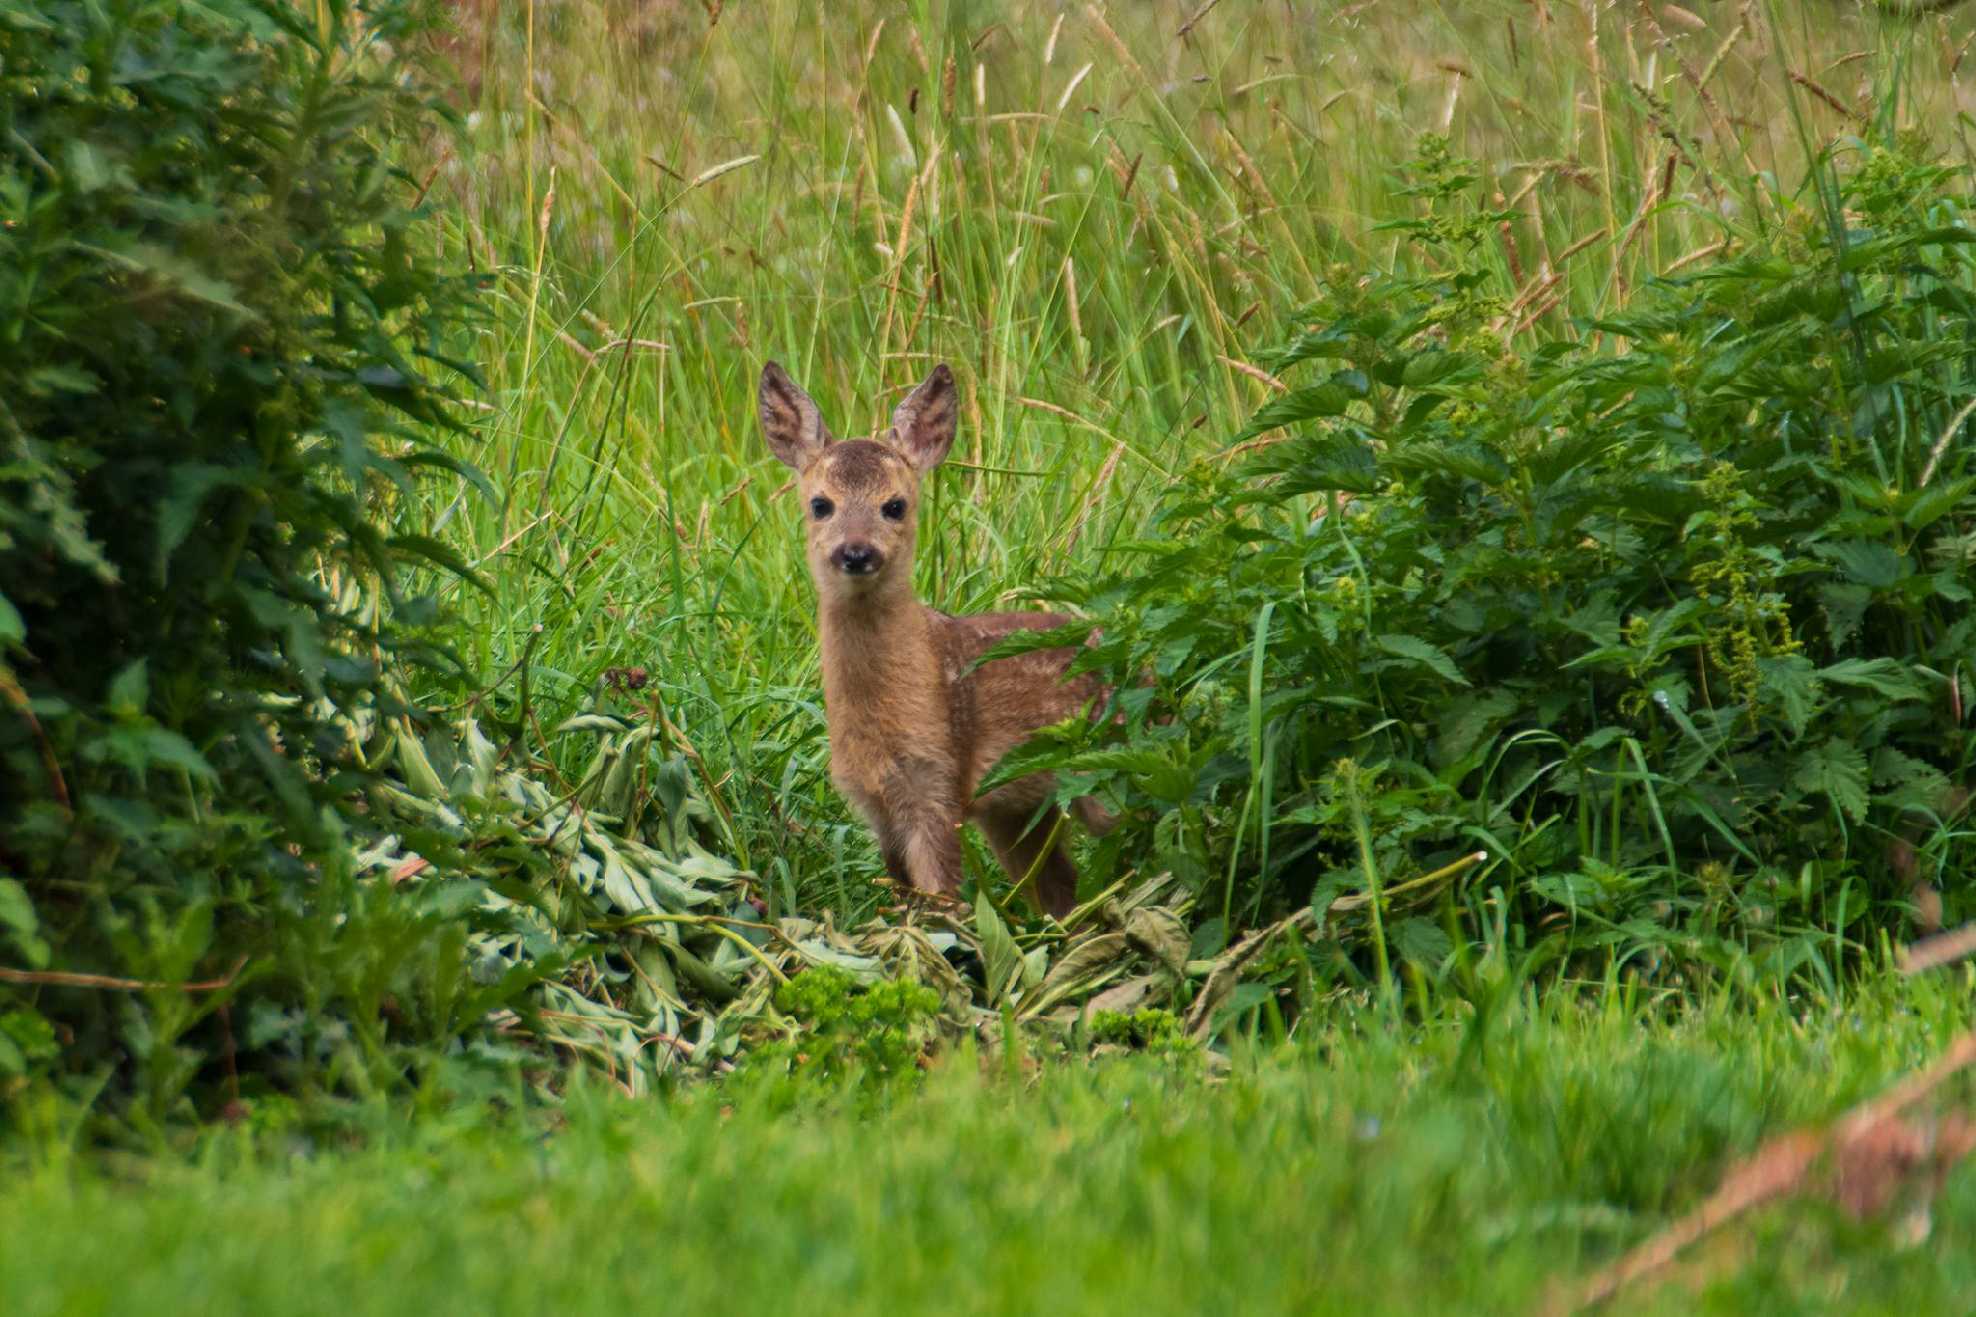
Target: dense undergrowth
(226, 358)
(1671, 619)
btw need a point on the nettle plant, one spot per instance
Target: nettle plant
(1671, 618)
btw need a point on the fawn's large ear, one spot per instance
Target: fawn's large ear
(790, 421)
(923, 424)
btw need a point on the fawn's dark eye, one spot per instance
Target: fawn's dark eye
(894, 509)
(821, 508)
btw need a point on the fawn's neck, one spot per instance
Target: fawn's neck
(876, 646)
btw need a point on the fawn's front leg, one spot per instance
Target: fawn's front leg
(919, 831)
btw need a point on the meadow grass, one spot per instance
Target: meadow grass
(1097, 216)
(1466, 1164)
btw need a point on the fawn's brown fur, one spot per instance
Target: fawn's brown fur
(913, 723)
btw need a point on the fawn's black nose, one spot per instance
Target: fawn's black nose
(857, 559)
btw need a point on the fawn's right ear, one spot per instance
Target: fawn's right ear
(790, 421)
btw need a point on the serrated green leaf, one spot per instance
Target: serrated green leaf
(1468, 721)
(1937, 501)
(1866, 562)
(1422, 943)
(1792, 684)
(1416, 650)
(1837, 770)
(1909, 783)
(1311, 402)
(1881, 676)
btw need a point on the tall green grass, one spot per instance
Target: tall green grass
(1096, 216)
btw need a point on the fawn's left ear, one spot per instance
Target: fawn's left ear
(923, 424)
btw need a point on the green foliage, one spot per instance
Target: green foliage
(1152, 1030)
(875, 1033)
(220, 327)
(1671, 619)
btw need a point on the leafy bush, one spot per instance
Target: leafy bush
(219, 325)
(1671, 617)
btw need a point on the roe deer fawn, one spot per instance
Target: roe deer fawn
(913, 723)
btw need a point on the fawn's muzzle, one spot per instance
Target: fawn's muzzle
(856, 559)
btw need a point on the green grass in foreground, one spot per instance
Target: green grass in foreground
(1434, 1169)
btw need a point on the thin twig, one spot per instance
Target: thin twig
(51, 765)
(52, 978)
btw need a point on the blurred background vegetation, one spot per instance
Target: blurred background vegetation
(388, 537)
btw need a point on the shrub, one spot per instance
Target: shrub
(1670, 615)
(220, 330)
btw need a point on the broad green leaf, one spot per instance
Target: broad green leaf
(999, 956)
(1468, 721)
(1882, 676)
(17, 908)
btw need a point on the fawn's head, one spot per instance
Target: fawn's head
(860, 497)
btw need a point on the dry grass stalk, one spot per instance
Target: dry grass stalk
(1822, 94)
(1100, 484)
(1596, 61)
(52, 978)
(899, 249)
(1510, 252)
(1070, 89)
(1246, 169)
(1096, 15)
(1698, 254)
(1188, 24)
(1537, 288)
(1942, 949)
(1070, 300)
(1255, 373)
(1686, 18)
(1581, 245)
(1861, 1162)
